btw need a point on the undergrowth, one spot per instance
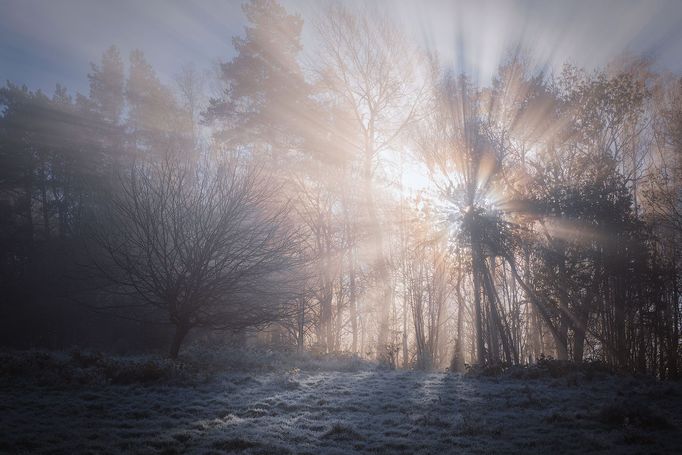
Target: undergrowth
(546, 367)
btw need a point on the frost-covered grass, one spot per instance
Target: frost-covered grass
(265, 360)
(318, 410)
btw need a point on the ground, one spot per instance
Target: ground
(335, 412)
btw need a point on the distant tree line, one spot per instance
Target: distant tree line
(280, 203)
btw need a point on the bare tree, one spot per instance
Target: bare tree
(367, 64)
(209, 247)
(190, 86)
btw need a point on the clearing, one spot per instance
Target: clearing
(332, 412)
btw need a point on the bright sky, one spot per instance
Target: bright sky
(47, 41)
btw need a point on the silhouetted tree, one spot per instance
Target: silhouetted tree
(209, 248)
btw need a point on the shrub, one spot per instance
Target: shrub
(137, 372)
(86, 359)
(633, 413)
(83, 367)
(260, 359)
(488, 371)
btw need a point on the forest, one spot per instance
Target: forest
(344, 212)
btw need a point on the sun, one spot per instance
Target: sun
(405, 175)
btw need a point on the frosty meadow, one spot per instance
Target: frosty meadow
(340, 227)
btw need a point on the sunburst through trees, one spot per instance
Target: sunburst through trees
(422, 217)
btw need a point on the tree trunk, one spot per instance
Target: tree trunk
(352, 301)
(326, 318)
(405, 346)
(559, 340)
(380, 258)
(578, 344)
(498, 326)
(579, 332)
(478, 317)
(28, 208)
(673, 354)
(181, 331)
(44, 203)
(300, 323)
(457, 363)
(564, 322)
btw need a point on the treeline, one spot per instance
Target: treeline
(281, 203)
(61, 155)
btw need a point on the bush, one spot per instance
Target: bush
(546, 367)
(388, 356)
(259, 359)
(634, 413)
(86, 359)
(84, 367)
(488, 371)
(145, 372)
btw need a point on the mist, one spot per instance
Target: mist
(340, 227)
